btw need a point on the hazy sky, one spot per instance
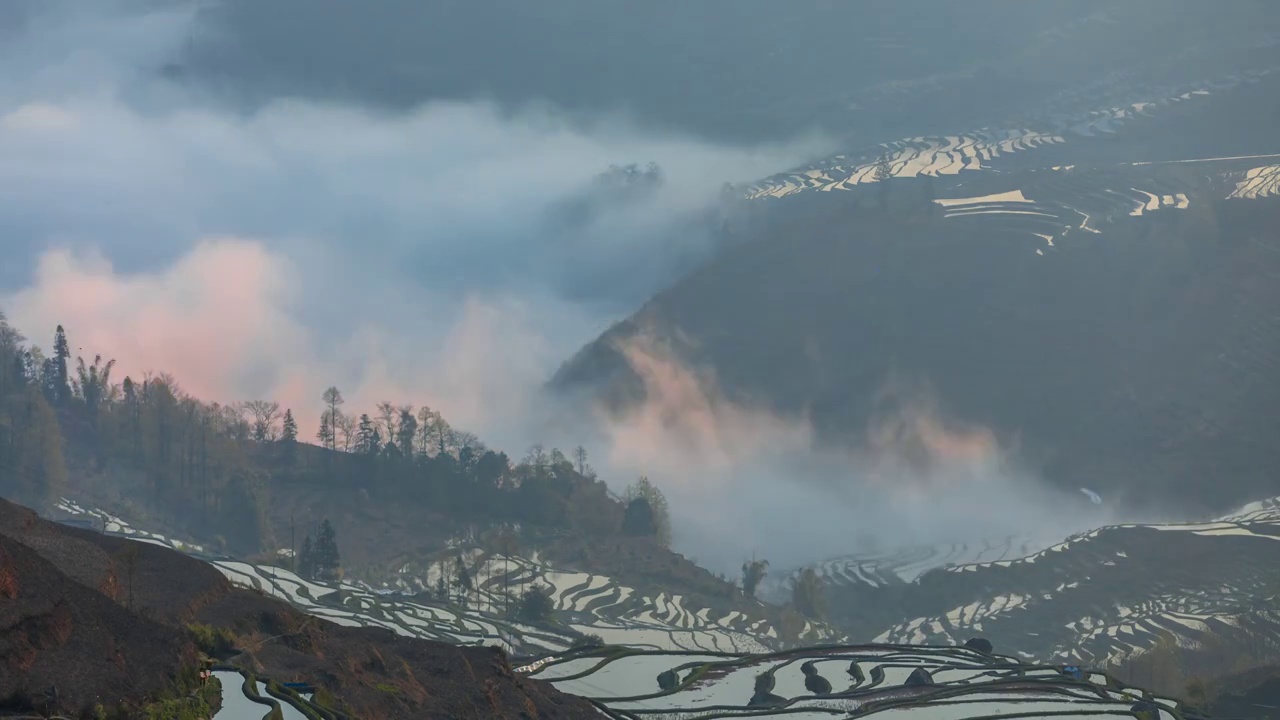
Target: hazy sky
(330, 240)
(411, 257)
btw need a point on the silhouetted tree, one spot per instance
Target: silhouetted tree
(388, 415)
(406, 430)
(327, 560)
(307, 560)
(535, 604)
(61, 380)
(642, 488)
(580, 460)
(347, 431)
(368, 441)
(753, 572)
(329, 421)
(265, 413)
(464, 579)
(639, 520)
(807, 595)
(289, 437)
(92, 386)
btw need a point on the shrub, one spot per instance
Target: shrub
(590, 640)
(324, 699)
(212, 641)
(535, 604)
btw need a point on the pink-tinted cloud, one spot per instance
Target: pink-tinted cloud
(685, 422)
(743, 478)
(221, 304)
(222, 321)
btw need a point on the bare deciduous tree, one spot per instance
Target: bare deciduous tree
(266, 415)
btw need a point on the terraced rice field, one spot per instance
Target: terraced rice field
(583, 604)
(1258, 182)
(1053, 206)
(237, 705)
(935, 683)
(980, 149)
(1096, 597)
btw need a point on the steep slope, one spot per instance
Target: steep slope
(57, 633)
(1211, 603)
(375, 673)
(654, 615)
(1117, 320)
(1096, 598)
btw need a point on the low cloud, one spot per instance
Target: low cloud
(418, 257)
(743, 479)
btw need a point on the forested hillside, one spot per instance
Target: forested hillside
(211, 470)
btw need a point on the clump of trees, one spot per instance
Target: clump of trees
(320, 560)
(753, 573)
(32, 466)
(647, 512)
(211, 465)
(631, 175)
(177, 451)
(535, 604)
(807, 594)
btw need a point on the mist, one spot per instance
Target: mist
(352, 246)
(744, 480)
(415, 256)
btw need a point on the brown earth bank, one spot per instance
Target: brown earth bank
(56, 633)
(107, 619)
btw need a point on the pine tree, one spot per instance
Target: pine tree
(326, 434)
(289, 436)
(368, 441)
(442, 586)
(464, 579)
(327, 559)
(61, 355)
(307, 560)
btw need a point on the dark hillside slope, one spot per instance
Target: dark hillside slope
(54, 632)
(1136, 353)
(374, 673)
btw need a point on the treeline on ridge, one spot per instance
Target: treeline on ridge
(212, 465)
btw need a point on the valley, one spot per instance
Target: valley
(956, 324)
